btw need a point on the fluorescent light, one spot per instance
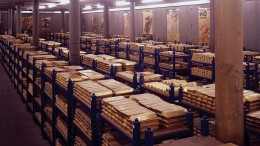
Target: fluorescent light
(122, 3)
(63, 2)
(87, 8)
(99, 6)
(151, 1)
(120, 9)
(96, 11)
(51, 5)
(198, 2)
(42, 7)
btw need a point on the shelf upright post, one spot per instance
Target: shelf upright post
(59, 54)
(43, 98)
(213, 69)
(204, 126)
(52, 50)
(127, 52)
(156, 61)
(148, 136)
(94, 120)
(247, 76)
(180, 94)
(163, 74)
(172, 96)
(256, 78)
(174, 62)
(190, 66)
(111, 70)
(34, 88)
(136, 133)
(54, 109)
(27, 80)
(141, 82)
(102, 125)
(171, 75)
(189, 120)
(135, 84)
(71, 113)
(247, 138)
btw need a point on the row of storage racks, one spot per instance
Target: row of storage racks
(65, 118)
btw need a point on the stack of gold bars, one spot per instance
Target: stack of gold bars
(204, 98)
(179, 83)
(117, 88)
(113, 139)
(105, 65)
(48, 111)
(203, 57)
(83, 121)
(89, 58)
(38, 63)
(48, 70)
(205, 72)
(42, 57)
(92, 75)
(123, 112)
(84, 90)
(79, 141)
(160, 88)
(59, 142)
(62, 104)
(48, 129)
(136, 46)
(62, 127)
(73, 68)
(194, 141)
(253, 122)
(148, 76)
(64, 77)
(171, 116)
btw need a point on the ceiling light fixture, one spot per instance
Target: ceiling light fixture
(151, 1)
(122, 3)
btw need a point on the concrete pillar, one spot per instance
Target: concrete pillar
(35, 30)
(106, 21)
(132, 21)
(62, 21)
(10, 21)
(212, 26)
(13, 23)
(81, 21)
(19, 19)
(74, 29)
(229, 71)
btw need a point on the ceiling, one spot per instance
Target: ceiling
(55, 5)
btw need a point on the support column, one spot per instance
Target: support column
(36, 23)
(212, 26)
(81, 21)
(10, 21)
(13, 23)
(229, 71)
(106, 21)
(74, 29)
(19, 20)
(132, 21)
(62, 21)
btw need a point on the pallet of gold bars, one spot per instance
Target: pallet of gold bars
(105, 65)
(83, 91)
(62, 104)
(49, 70)
(194, 141)
(204, 72)
(33, 53)
(148, 76)
(251, 100)
(197, 127)
(64, 77)
(89, 58)
(42, 57)
(92, 75)
(83, 122)
(203, 57)
(59, 142)
(62, 127)
(79, 141)
(114, 139)
(123, 111)
(171, 116)
(48, 111)
(116, 87)
(48, 130)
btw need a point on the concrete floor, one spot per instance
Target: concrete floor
(16, 124)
